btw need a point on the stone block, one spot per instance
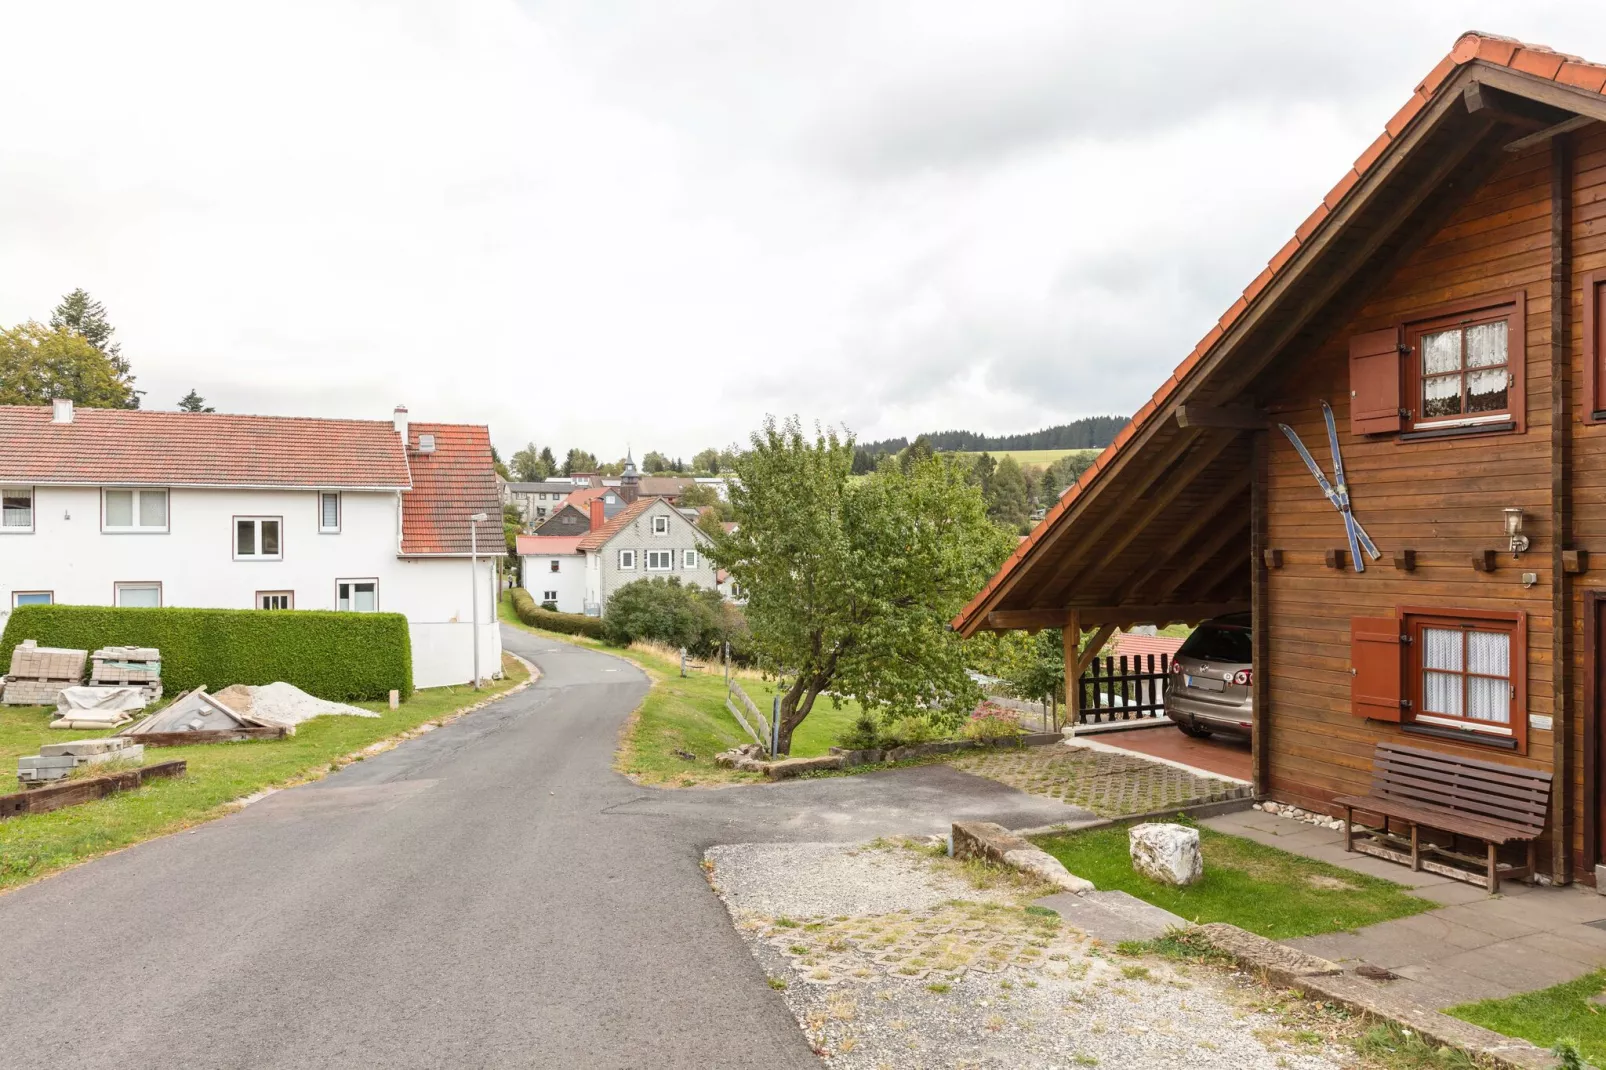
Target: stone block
(87, 746)
(994, 843)
(1283, 964)
(791, 767)
(1113, 916)
(1167, 853)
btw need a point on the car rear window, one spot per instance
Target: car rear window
(1214, 642)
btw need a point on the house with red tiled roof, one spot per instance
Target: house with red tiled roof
(1438, 325)
(127, 507)
(645, 539)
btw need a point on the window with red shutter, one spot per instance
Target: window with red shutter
(1374, 382)
(1377, 668)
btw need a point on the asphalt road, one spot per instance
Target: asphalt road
(488, 895)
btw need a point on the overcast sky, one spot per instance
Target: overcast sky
(599, 223)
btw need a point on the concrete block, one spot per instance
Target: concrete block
(791, 767)
(87, 746)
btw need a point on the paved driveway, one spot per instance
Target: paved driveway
(488, 895)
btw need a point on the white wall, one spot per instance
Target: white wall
(68, 555)
(569, 582)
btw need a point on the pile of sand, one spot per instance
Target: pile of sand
(284, 704)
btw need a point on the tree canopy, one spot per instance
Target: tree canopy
(194, 402)
(851, 584)
(38, 363)
(529, 465)
(653, 461)
(579, 460)
(86, 317)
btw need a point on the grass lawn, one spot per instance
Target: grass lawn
(1266, 891)
(1040, 458)
(688, 714)
(1549, 1015)
(33, 845)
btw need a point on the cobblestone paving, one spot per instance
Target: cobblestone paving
(1109, 784)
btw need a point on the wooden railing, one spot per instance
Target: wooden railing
(747, 714)
(1124, 689)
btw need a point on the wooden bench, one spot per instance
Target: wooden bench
(1498, 804)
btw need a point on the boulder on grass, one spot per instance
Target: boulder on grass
(1167, 853)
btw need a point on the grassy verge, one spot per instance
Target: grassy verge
(1258, 888)
(687, 715)
(1563, 1012)
(35, 845)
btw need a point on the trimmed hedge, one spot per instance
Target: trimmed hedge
(336, 656)
(524, 606)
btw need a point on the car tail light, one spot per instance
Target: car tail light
(1176, 666)
(1244, 676)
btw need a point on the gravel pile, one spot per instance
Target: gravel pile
(806, 880)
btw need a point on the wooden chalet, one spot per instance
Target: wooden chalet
(1448, 300)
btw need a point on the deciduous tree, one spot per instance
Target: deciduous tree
(38, 363)
(654, 462)
(1009, 503)
(579, 460)
(851, 584)
(86, 317)
(706, 461)
(527, 464)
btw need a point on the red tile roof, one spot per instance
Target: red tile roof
(451, 484)
(1535, 60)
(198, 449)
(596, 540)
(557, 545)
(579, 498)
(1125, 644)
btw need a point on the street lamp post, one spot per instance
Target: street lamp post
(474, 564)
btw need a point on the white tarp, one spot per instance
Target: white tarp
(110, 699)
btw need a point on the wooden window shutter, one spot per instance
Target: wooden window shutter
(1374, 382)
(1378, 667)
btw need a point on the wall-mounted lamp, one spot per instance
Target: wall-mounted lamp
(1519, 541)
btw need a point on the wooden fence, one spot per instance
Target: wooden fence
(1124, 689)
(747, 714)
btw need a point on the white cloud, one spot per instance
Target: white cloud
(591, 224)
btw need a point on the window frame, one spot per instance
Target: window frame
(135, 505)
(19, 594)
(1594, 324)
(555, 566)
(355, 580)
(1489, 308)
(621, 560)
(340, 514)
(690, 559)
(647, 565)
(655, 521)
(289, 596)
(33, 510)
(549, 596)
(1512, 622)
(119, 586)
(234, 537)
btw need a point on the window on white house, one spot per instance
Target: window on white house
(660, 525)
(357, 596)
(276, 600)
(329, 512)
(256, 538)
(688, 559)
(549, 596)
(16, 509)
(134, 510)
(32, 598)
(554, 564)
(627, 560)
(138, 595)
(660, 560)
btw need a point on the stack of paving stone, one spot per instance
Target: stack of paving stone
(55, 760)
(128, 666)
(38, 673)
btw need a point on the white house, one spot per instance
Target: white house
(648, 537)
(137, 508)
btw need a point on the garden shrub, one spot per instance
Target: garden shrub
(992, 722)
(536, 616)
(665, 610)
(335, 656)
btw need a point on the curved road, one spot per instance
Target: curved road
(488, 895)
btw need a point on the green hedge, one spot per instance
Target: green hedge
(568, 623)
(336, 656)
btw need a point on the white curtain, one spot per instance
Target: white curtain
(1441, 691)
(1489, 654)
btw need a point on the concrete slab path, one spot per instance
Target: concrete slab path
(490, 894)
(1475, 946)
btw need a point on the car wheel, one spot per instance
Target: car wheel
(1194, 730)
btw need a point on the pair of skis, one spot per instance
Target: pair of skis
(1339, 494)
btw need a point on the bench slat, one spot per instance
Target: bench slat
(1447, 820)
(1412, 766)
(1473, 795)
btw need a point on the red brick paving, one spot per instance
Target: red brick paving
(1226, 755)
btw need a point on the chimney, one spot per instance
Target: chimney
(400, 416)
(597, 516)
(61, 411)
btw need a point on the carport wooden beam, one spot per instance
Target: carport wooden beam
(1005, 620)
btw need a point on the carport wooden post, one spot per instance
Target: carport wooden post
(1073, 670)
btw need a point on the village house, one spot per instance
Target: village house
(1447, 301)
(117, 507)
(569, 519)
(536, 501)
(648, 538)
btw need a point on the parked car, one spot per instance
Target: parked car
(1210, 676)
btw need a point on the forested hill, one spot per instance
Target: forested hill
(1092, 432)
